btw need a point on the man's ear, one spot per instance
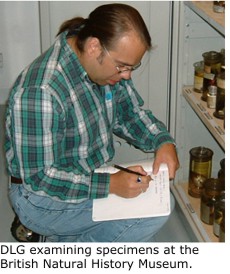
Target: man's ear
(93, 47)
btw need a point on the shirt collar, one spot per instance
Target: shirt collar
(74, 58)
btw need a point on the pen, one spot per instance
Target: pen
(127, 170)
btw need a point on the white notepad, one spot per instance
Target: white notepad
(152, 203)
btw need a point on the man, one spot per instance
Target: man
(62, 114)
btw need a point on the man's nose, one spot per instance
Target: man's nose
(126, 74)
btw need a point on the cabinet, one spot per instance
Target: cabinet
(197, 29)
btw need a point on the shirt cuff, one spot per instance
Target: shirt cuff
(99, 185)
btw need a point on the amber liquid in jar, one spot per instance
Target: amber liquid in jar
(218, 213)
(221, 172)
(220, 97)
(200, 169)
(222, 229)
(210, 195)
(198, 76)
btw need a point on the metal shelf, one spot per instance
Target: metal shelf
(214, 125)
(205, 10)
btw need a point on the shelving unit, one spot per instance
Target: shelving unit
(214, 125)
(191, 206)
(203, 11)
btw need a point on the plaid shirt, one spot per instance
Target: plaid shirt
(60, 126)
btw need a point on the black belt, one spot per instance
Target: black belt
(15, 180)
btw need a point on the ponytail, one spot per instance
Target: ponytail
(71, 24)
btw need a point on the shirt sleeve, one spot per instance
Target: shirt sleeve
(137, 125)
(37, 134)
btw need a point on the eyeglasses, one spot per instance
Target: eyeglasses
(121, 68)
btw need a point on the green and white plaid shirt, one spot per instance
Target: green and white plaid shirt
(60, 125)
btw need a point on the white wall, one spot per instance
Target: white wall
(19, 40)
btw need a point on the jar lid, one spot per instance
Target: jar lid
(213, 184)
(212, 55)
(201, 153)
(199, 64)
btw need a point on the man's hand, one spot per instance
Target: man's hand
(166, 154)
(125, 184)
